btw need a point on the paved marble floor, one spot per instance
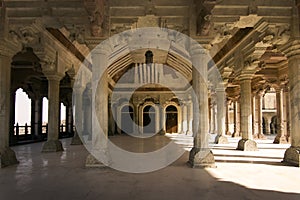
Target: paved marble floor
(239, 175)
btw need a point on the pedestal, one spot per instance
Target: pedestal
(292, 156)
(52, 146)
(76, 139)
(7, 157)
(247, 145)
(201, 158)
(92, 162)
(221, 139)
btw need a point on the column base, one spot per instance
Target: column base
(220, 139)
(235, 134)
(92, 162)
(228, 133)
(162, 132)
(201, 158)
(247, 145)
(280, 140)
(7, 157)
(76, 140)
(188, 132)
(259, 136)
(292, 156)
(52, 146)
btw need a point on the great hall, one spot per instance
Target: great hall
(150, 99)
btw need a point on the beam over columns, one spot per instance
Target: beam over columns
(246, 143)
(7, 155)
(200, 154)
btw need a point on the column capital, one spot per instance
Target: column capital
(291, 49)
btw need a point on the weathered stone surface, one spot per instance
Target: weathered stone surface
(221, 139)
(91, 161)
(76, 140)
(52, 146)
(201, 158)
(247, 145)
(280, 140)
(7, 157)
(292, 156)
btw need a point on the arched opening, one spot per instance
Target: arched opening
(171, 119)
(45, 115)
(62, 118)
(127, 119)
(149, 57)
(264, 125)
(149, 122)
(22, 113)
(273, 125)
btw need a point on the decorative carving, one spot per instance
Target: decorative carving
(77, 33)
(24, 35)
(277, 35)
(148, 21)
(98, 16)
(222, 33)
(247, 21)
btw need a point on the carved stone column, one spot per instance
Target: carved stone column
(258, 113)
(236, 116)
(280, 137)
(7, 155)
(221, 115)
(189, 118)
(292, 154)
(212, 120)
(227, 117)
(53, 144)
(100, 89)
(184, 118)
(246, 143)
(200, 154)
(78, 114)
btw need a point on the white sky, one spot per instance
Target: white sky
(23, 109)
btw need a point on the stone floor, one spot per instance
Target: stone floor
(239, 175)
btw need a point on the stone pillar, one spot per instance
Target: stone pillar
(200, 154)
(162, 121)
(184, 119)
(258, 113)
(246, 143)
(280, 137)
(100, 89)
(227, 121)
(70, 119)
(213, 119)
(7, 155)
(292, 154)
(36, 117)
(288, 116)
(53, 144)
(221, 115)
(236, 116)
(78, 113)
(189, 118)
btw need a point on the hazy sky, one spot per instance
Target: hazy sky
(23, 109)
